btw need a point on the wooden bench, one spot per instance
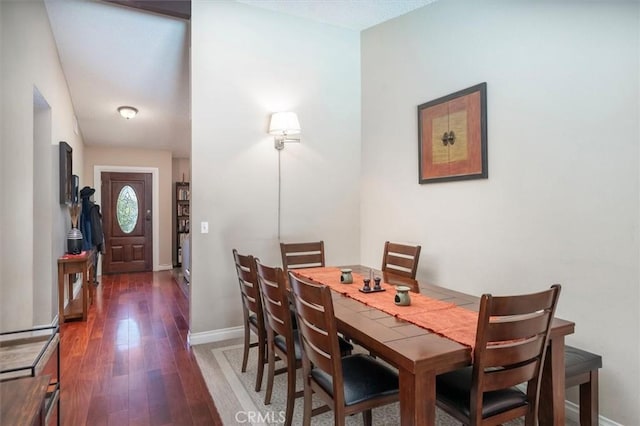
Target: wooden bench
(581, 368)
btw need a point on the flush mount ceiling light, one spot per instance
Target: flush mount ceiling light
(127, 111)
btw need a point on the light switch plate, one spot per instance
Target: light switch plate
(204, 227)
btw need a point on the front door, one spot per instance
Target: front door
(128, 230)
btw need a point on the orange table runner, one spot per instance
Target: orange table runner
(444, 318)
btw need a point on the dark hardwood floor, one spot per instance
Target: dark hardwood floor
(129, 363)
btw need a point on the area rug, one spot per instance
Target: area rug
(237, 402)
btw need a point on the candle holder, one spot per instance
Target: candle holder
(376, 285)
(367, 286)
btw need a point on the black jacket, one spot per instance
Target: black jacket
(91, 225)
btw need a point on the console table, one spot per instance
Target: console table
(29, 376)
(22, 401)
(68, 265)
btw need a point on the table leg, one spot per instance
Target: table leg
(92, 277)
(417, 398)
(60, 294)
(85, 290)
(551, 410)
(69, 286)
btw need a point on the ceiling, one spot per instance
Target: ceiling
(114, 55)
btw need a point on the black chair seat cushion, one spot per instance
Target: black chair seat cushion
(453, 389)
(294, 320)
(364, 378)
(578, 361)
(279, 341)
(253, 319)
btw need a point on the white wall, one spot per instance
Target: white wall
(30, 61)
(43, 200)
(562, 200)
(247, 63)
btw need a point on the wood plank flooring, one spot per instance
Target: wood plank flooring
(129, 363)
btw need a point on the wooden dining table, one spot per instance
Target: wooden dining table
(420, 355)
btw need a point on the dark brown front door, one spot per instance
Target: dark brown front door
(128, 230)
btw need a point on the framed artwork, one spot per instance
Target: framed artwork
(452, 136)
(66, 179)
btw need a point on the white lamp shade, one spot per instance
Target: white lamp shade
(284, 123)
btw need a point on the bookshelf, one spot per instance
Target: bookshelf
(182, 218)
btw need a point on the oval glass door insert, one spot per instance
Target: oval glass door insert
(127, 209)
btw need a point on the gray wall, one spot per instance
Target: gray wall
(561, 201)
(246, 64)
(29, 60)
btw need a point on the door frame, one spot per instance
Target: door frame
(155, 203)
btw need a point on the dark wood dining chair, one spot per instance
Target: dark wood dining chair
(511, 343)
(302, 255)
(281, 341)
(253, 317)
(349, 385)
(282, 338)
(401, 259)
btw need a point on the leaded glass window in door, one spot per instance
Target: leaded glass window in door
(127, 209)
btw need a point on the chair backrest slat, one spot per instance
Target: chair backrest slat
(503, 379)
(525, 327)
(247, 279)
(521, 304)
(302, 255)
(317, 325)
(401, 259)
(274, 299)
(524, 350)
(511, 341)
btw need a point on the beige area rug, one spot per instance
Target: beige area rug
(237, 402)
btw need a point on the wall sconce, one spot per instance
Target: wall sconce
(283, 125)
(127, 112)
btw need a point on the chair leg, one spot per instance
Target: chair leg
(589, 401)
(307, 402)
(261, 361)
(339, 418)
(291, 393)
(245, 354)
(366, 417)
(270, 374)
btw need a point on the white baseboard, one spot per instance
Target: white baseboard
(215, 335)
(572, 412)
(165, 267)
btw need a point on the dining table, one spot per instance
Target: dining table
(417, 351)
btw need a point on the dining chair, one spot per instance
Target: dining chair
(401, 259)
(253, 317)
(510, 347)
(280, 335)
(282, 338)
(302, 255)
(348, 385)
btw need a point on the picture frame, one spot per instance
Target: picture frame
(452, 137)
(66, 173)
